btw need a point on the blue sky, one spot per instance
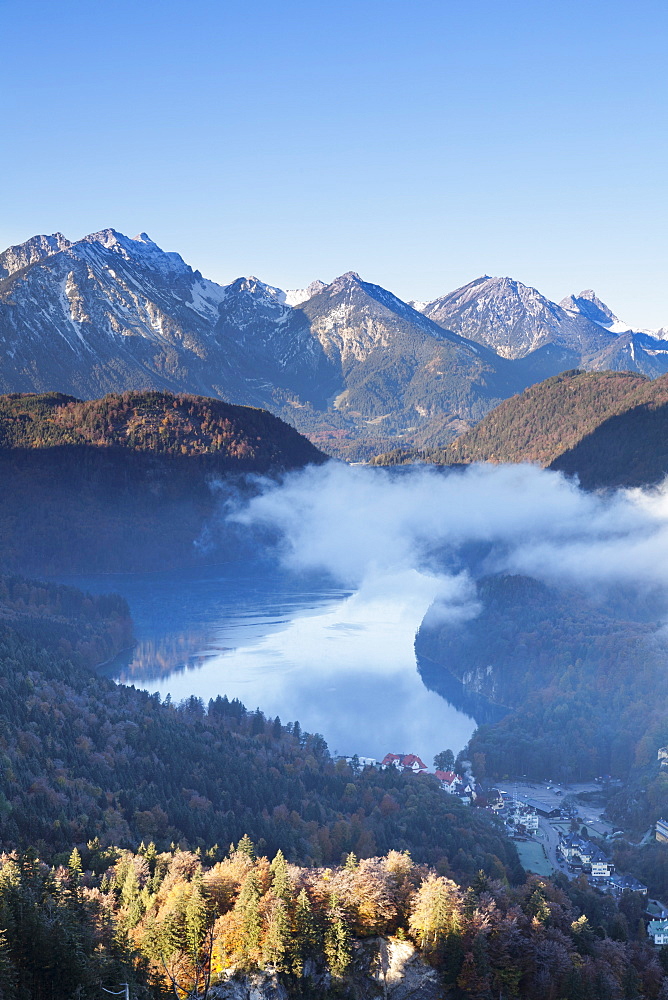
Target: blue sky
(421, 143)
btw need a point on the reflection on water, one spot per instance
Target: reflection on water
(342, 664)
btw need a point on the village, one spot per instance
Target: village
(550, 825)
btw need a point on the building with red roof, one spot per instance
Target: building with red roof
(404, 762)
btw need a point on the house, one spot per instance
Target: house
(495, 800)
(392, 760)
(466, 790)
(662, 830)
(580, 853)
(620, 884)
(571, 848)
(656, 910)
(523, 816)
(601, 867)
(449, 781)
(658, 931)
(404, 762)
(543, 808)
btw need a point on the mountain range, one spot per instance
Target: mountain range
(348, 363)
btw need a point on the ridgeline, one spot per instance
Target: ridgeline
(129, 482)
(608, 428)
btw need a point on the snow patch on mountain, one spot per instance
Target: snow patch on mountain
(295, 296)
(513, 319)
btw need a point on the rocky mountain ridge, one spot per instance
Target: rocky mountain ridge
(347, 363)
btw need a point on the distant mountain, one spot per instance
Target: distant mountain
(644, 351)
(589, 305)
(129, 482)
(348, 363)
(514, 319)
(608, 428)
(108, 313)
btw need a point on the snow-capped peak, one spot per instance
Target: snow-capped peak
(259, 288)
(140, 249)
(588, 304)
(295, 296)
(106, 237)
(37, 248)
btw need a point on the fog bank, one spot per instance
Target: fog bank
(366, 525)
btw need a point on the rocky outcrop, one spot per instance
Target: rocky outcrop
(381, 967)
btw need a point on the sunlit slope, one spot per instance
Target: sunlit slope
(156, 422)
(609, 428)
(128, 482)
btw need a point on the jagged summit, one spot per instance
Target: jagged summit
(514, 319)
(347, 362)
(295, 296)
(588, 304)
(22, 255)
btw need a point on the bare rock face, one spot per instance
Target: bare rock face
(258, 986)
(397, 972)
(381, 967)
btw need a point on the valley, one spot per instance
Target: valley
(340, 663)
(280, 614)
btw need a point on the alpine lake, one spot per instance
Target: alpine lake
(341, 663)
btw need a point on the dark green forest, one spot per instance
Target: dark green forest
(584, 686)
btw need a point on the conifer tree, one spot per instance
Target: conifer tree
(277, 941)
(338, 944)
(248, 906)
(305, 933)
(281, 886)
(75, 867)
(246, 846)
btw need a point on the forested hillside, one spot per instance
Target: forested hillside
(574, 675)
(177, 922)
(238, 437)
(608, 428)
(84, 757)
(128, 482)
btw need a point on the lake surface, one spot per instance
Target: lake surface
(341, 663)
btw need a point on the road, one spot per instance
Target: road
(549, 838)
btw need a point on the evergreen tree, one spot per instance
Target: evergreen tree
(248, 906)
(338, 943)
(246, 846)
(277, 941)
(305, 933)
(75, 867)
(281, 886)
